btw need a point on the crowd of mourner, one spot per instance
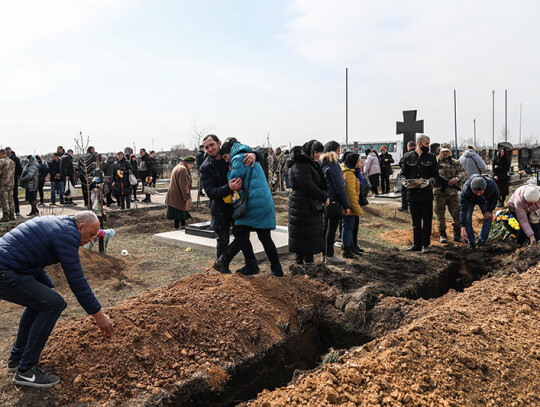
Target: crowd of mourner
(326, 187)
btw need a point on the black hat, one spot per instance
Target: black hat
(331, 146)
(351, 160)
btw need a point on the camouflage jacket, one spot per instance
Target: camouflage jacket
(449, 168)
(7, 172)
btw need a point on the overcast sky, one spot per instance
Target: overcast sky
(138, 71)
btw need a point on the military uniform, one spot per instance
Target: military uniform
(448, 196)
(420, 200)
(7, 179)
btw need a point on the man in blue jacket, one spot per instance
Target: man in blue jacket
(24, 253)
(481, 191)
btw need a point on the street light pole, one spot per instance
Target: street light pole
(474, 124)
(493, 121)
(455, 123)
(506, 115)
(347, 108)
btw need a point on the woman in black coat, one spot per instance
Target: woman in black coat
(121, 181)
(385, 162)
(501, 166)
(306, 202)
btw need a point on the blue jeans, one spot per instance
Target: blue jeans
(484, 232)
(43, 308)
(57, 186)
(347, 223)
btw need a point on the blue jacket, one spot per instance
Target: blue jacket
(260, 208)
(213, 174)
(45, 240)
(334, 179)
(487, 201)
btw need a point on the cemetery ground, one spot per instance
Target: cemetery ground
(453, 327)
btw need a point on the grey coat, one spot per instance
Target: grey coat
(472, 163)
(30, 178)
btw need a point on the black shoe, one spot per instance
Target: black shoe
(403, 209)
(221, 266)
(35, 377)
(53, 204)
(250, 269)
(413, 249)
(349, 254)
(357, 248)
(13, 364)
(357, 252)
(276, 270)
(4, 219)
(427, 249)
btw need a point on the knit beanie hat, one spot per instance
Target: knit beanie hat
(351, 160)
(478, 184)
(531, 194)
(331, 146)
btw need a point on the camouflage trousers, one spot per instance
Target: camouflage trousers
(6, 201)
(452, 202)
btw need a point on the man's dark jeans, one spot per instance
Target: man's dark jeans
(404, 202)
(43, 308)
(223, 238)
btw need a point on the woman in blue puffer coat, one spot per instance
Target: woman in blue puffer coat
(260, 215)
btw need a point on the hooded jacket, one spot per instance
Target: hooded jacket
(519, 205)
(372, 166)
(30, 175)
(41, 242)
(487, 201)
(352, 185)
(260, 212)
(472, 163)
(333, 176)
(307, 185)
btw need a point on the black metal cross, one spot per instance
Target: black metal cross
(409, 127)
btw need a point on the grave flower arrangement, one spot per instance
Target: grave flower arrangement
(504, 225)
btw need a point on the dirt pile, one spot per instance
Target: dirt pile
(200, 326)
(98, 268)
(479, 347)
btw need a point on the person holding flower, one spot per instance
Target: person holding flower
(524, 206)
(481, 191)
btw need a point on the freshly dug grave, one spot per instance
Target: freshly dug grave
(98, 269)
(203, 326)
(479, 347)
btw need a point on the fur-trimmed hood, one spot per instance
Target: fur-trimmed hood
(330, 156)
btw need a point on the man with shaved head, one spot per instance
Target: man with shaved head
(24, 253)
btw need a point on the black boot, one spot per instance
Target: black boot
(250, 269)
(276, 270)
(222, 265)
(349, 254)
(357, 248)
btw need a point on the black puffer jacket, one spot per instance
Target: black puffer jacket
(307, 184)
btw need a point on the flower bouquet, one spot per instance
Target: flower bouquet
(504, 225)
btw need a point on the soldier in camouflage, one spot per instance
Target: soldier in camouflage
(7, 179)
(451, 174)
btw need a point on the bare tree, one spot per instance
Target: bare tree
(180, 150)
(198, 133)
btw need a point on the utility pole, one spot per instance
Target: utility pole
(520, 116)
(347, 108)
(506, 115)
(493, 121)
(474, 124)
(455, 123)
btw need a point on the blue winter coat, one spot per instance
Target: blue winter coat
(260, 209)
(487, 201)
(42, 241)
(334, 179)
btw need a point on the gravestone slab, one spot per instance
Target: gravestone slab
(201, 229)
(180, 239)
(524, 157)
(390, 195)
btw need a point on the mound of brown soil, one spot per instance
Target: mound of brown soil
(97, 267)
(202, 323)
(479, 347)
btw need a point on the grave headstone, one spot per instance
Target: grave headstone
(524, 157)
(535, 156)
(409, 127)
